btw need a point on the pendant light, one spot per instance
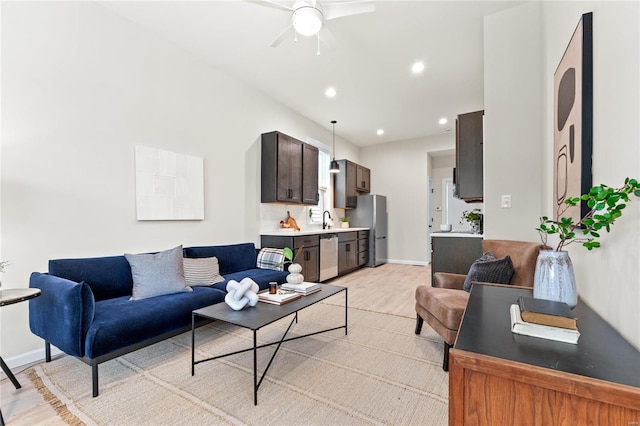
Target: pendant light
(335, 167)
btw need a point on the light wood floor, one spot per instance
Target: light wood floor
(388, 288)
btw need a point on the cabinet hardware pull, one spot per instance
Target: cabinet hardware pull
(348, 247)
(289, 193)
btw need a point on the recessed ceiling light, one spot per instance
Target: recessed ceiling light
(380, 132)
(442, 121)
(330, 92)
(417, 68)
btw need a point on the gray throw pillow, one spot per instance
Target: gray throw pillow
(490, 270)
(203, 271)
(157, 274)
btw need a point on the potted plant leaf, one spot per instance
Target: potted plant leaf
(473, 218)
(295, 269)
(554, 277)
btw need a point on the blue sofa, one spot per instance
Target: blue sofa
(85, 308)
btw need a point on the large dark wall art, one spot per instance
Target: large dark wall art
(573, 120)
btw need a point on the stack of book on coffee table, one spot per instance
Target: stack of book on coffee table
(545, 319)
(279, 298)
(304, 288)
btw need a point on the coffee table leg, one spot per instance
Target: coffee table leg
(193, 344)
(346, 294)
(255, 368)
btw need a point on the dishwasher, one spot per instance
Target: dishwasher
(328, 256)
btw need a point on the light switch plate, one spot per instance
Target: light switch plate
(506, 202)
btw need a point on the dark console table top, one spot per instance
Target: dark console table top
(601, 353)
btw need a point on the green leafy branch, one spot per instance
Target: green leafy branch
(605, 204)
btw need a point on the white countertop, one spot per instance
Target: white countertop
(293, 232)
(456, 234)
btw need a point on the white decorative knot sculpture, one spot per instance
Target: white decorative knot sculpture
(241, 294)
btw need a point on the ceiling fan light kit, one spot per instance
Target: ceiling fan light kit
(307, 19)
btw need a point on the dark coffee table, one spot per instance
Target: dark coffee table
(254, 318)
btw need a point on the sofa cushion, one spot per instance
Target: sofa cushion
(119, 322)
(262, 277)
(489, 269)
(203, 271)
(107, 277)
(270, 258)
(157, 274)
(231, 258)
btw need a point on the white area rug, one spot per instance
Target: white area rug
(380, 373)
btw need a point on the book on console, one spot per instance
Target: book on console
(547, 312)
(559, 334)
(277, 298)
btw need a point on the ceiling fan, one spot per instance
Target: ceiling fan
(308, 17)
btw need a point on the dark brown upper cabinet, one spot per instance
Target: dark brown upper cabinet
(289, 172)
(363, 179)
(352, 180)
(468, 172)
(310, 193)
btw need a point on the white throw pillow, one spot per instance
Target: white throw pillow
(201, 271)
(157, 274)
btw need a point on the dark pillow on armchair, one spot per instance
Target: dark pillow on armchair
(489, 269)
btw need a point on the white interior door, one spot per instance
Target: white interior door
(453, 207)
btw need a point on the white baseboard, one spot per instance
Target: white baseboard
(408, 262)
(30, 357)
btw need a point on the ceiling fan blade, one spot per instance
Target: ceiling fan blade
(273, 4)
(342, 9)
(327, 38)
(281, 36)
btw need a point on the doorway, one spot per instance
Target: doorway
(452, 207)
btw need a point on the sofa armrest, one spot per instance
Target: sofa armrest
(449, 280)
(63, 312)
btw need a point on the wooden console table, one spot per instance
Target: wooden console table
(499, 378)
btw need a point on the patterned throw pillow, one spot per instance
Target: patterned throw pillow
(488, 269)
(270, 258)
(203, 271)
(157, 274)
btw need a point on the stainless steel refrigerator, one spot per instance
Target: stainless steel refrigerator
(371, 212)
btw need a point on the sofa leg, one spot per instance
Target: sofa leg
(419, 322)
(94, 377)
(445, 361)
(47, 351)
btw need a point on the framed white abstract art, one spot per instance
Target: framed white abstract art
(169, 186)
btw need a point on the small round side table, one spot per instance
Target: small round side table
(9, 297)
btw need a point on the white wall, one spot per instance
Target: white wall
(399, 171)
(513, 123)
(80, 88)
(518, 86)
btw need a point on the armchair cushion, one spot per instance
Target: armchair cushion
(442, 309)
(489, 269)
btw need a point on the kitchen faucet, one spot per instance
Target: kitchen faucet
(324, 223)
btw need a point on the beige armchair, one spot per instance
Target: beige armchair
(443, 305)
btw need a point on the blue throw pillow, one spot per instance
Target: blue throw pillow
(157, 274)
(488, 269)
